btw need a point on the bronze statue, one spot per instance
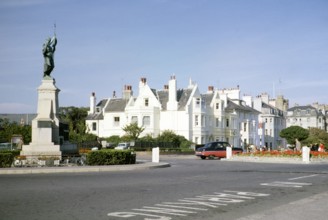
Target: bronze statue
(48, 51)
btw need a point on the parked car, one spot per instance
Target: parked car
(123, 146)
(109, 146)
(216, 149)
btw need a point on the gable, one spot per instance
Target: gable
(147, 93)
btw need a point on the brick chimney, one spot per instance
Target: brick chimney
(127, 92)
(210, 89)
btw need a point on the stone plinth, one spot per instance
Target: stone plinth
(45, 127)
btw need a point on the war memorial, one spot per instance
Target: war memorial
(45, 127)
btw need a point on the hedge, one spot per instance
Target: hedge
(6, 159)
(13, 152)
(111, 157)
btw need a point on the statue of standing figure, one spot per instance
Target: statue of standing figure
(48, 51)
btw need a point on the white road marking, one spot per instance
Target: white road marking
(248, 193)
(166, 211)
(187, 206)
(166, 204)
(302, 177)
(134, 214)
(286, 184)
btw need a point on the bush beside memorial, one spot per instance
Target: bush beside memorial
(7, 157)
(111, 157)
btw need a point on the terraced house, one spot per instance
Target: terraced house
(216, 115)
(271, 120)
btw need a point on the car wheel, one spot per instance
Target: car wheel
(203, 157)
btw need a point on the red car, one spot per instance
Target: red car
(216, 149)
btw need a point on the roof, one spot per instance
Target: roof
(102, 103)
(265, 105)
(95, 116)
(109, 105)
(306, 107)
(163, 98)
(98, 115)
(116, 105)
(183, 96)
(303, 110)
(231, 106)
(208, 98)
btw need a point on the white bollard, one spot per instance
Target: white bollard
(229, 153)
(306, 154)
(155, 155)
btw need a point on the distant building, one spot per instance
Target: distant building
(218, 115)
(306, 117)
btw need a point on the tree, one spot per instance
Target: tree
(8, 129)
(168, 136)
(75, 118)
(293, 133)
(147, 138)
(184, 143)
(133, 131)
(317, 135)
(114, 139)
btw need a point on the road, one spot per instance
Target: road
(190, 189)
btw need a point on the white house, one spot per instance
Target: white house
(216, 115)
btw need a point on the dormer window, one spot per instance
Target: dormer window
(98, 109)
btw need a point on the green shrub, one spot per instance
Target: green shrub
(13, 152)
(6, 159)
(111, 157)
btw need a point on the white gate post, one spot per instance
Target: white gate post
(306, 154)
(155, 155)
(229, 153)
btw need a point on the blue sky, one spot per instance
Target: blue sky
(274, 46)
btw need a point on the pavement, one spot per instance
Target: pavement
(140, 165)
(313, 207)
